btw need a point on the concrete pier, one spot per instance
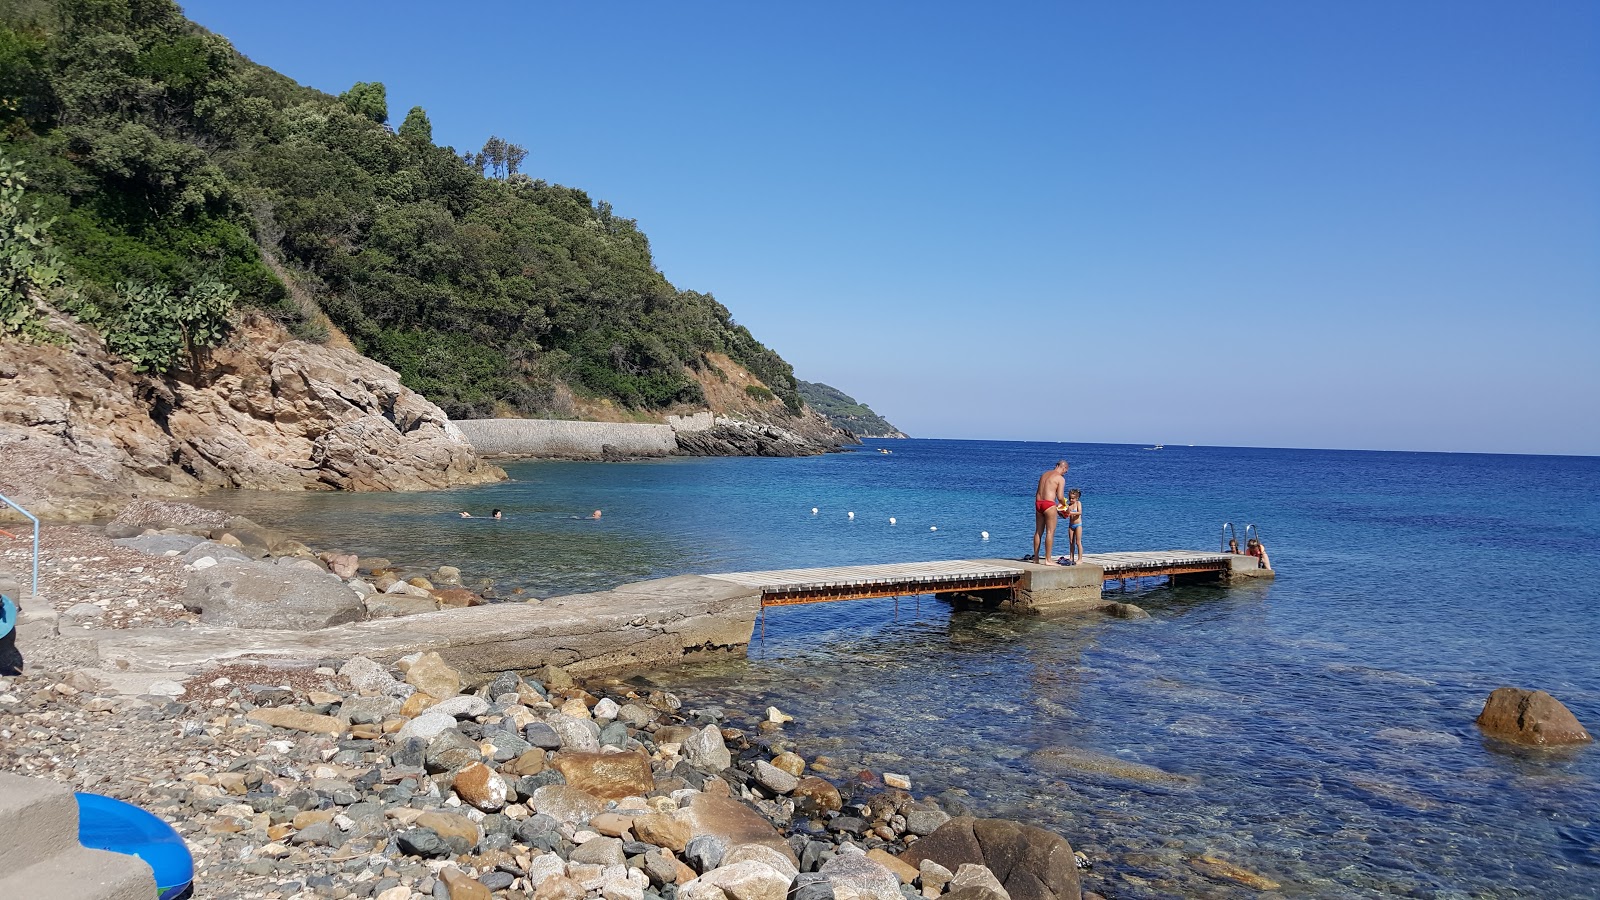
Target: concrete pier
(654, 623)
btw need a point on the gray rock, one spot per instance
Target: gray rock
(451, 750)
(424, 842)
(218, 552)
(925, 821)
(854, 874)
(582, 735)
(774, 779)
(428, 725)
(462, 706)
(705, 852)
(255, 595)
(542, 736)
(160, 544)
(614, 735)
(369, 710)
(602, 851)
(82, 612)
(366, 676)
(706, 750)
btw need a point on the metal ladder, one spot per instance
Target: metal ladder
(1250, 533)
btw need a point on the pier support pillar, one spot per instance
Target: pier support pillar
(1048, 590)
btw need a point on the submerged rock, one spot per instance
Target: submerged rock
(1533, 718)
(1077, 760)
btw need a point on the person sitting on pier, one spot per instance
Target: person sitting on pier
(1257, 549)
(1074, 514)
(1045, 499)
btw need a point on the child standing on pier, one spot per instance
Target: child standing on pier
(1074, 515)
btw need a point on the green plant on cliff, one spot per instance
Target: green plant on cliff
(158, 330)
(30, 268)
(171, 162)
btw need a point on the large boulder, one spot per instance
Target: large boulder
(261, 595)
(1031, 863)
(1530, 717)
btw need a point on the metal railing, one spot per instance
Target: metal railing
(1227, 532)
(34, 593)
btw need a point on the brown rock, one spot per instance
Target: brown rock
(663, 831)
(1214, 867)
(433, 676)
(1530, 717)
(450, 824)
(305, 820)
(456, 598)
(558, 887)
(906, 872)
(462, 886)
(613, 825)
(1031, 863)
(279, 717)
(609, 776)
(529, 763)
(731, 821)
(416, 704)
(816, 795)
(790, 762)
(480, 786)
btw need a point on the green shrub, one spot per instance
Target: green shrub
(758, 392)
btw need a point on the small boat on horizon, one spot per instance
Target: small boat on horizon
(1157, 447)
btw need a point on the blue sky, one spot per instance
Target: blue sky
(1353, 224)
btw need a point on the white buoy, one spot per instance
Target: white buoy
(813, 510)
(851, 515)
(933, 528)
(891, 520)
(985, 535)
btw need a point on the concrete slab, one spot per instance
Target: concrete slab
(647, 624)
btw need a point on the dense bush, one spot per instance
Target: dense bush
(172, 163)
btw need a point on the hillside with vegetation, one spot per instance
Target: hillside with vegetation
(845, 412)
(155, 184)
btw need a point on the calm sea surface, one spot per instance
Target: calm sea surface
(1317, 729)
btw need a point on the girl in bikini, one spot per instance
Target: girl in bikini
(1074, 515)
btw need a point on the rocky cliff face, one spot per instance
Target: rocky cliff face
(81, 433)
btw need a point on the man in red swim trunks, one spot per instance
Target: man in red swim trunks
(1052, 488)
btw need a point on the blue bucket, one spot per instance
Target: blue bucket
(108, 824)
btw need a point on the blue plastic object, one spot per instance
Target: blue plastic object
(105, 823)
(8, 615)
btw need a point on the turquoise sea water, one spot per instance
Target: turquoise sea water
(1317, 729)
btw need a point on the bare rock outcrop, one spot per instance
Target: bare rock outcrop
(82, 433)
(1530, 717)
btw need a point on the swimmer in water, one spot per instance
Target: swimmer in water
(595, 514)
(495, 514)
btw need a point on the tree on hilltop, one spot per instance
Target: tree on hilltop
(369, 99)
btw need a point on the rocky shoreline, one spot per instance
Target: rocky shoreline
(349, 778)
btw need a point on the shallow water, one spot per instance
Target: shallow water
(1317, 729)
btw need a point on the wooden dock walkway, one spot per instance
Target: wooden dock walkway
(784, 587)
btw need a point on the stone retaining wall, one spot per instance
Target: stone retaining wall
(565, 439)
